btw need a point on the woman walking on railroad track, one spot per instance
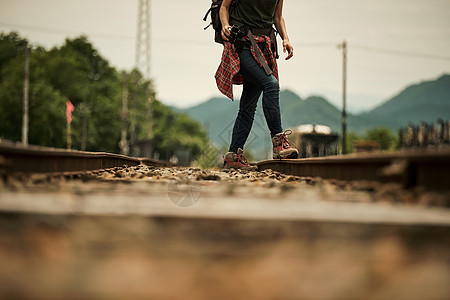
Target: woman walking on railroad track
(249, 58)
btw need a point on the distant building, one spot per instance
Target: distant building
(315, 140)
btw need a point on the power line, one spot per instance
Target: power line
(377, 50)
(65, 32)
(166, 40)
(314, 45)
(98, 35)
(400, 53)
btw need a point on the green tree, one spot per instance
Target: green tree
(351, 137)
(83, 76)
(11, 45)
(76, 71)
(174, 131)
(46, 106)
(384, 136)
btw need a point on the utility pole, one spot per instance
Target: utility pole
(84, 109)
(124, 148)
(149, 131)
(132, 113)
(25, 122)
(343, 46)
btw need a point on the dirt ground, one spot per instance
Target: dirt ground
(115, 235)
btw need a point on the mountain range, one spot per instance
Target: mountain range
(425, 101)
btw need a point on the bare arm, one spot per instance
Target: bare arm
(224, 14)
(281, 28)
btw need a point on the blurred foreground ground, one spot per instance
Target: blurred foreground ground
(123, 234)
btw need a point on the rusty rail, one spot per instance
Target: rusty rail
(409, 168)
(36, 159)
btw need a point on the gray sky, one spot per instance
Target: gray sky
(184, 57)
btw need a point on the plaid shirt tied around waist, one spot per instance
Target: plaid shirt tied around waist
(228, 72)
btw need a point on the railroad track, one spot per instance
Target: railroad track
(36, 159)
(274, 235)
(428, 169)
(409, 168)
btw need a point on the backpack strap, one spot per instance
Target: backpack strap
(206, 15)
(214, 12)
(214, 6)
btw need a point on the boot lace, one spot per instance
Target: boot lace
(284, 141)
(241, 158)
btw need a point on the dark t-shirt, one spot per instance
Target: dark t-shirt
(254, 13)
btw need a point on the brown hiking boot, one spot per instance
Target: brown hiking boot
(282, 147)
(237, 161)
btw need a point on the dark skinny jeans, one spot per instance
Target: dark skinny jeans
(256, 81)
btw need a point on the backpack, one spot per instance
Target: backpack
(215, 18)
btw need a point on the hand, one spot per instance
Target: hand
(226, 32)
(288, 47)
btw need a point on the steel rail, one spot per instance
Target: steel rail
(409, 168)
(36, 159)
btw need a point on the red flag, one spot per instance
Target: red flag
(69, 109)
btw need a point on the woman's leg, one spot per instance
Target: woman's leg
(246, 115)
(256, 80)
(270, 87)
